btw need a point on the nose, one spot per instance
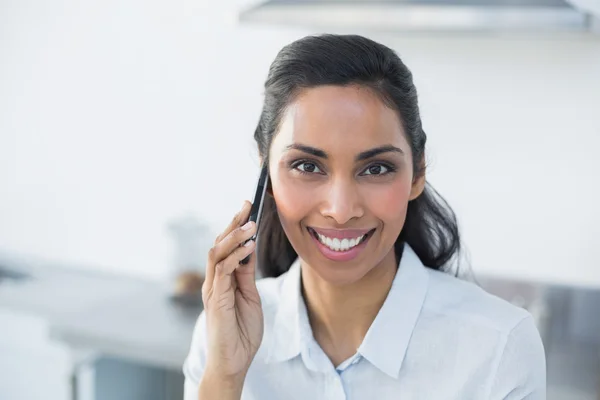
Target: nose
(342, 201)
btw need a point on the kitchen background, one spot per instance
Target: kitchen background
(126, 145)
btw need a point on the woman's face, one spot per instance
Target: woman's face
(342, 177)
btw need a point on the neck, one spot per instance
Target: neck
(340, 315)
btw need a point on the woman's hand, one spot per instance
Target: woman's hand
(234, 317)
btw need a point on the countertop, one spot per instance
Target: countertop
(112, 315)
(135, 320)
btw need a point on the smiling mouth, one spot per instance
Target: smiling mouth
(337, 244)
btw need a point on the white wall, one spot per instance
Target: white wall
(514, 128)
(116, 116)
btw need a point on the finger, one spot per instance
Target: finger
(209, 272)
(225, 268)
(235, 239)
(229, 264)
(233, 243)
(246, 278)
(238, 220)
(212, 258)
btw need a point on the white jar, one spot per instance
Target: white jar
(192, 240)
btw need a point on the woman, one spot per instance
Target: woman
(355, 249)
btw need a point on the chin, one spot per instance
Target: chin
(337, 274)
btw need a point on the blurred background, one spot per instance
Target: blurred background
(126, 146)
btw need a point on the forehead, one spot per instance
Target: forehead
(342, 120)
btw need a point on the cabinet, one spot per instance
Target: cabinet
(31, 366)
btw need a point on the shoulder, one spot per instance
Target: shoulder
(493, 331)
(470, 304)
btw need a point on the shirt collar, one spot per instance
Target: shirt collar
(386, 341)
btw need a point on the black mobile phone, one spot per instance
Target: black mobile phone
(257, 204)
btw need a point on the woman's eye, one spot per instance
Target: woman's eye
(308, 167)
(376, 169)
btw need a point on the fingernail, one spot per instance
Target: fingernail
(248, 243)
(247, 226)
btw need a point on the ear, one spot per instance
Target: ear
(418, 184)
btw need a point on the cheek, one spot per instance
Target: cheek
(292, 200)
(389, 202)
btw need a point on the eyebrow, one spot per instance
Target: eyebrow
(360, 157)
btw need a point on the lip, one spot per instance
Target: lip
(342, 255)
(341, 233)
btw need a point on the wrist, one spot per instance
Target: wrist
(218, 386)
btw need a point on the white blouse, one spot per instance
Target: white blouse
(435, 337)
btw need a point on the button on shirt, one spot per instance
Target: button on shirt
(435, 337)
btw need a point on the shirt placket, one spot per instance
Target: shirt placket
(335, 387)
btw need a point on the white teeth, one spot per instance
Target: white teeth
(344, 244)
(329, 242)
(336, 244)
(340, 245)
